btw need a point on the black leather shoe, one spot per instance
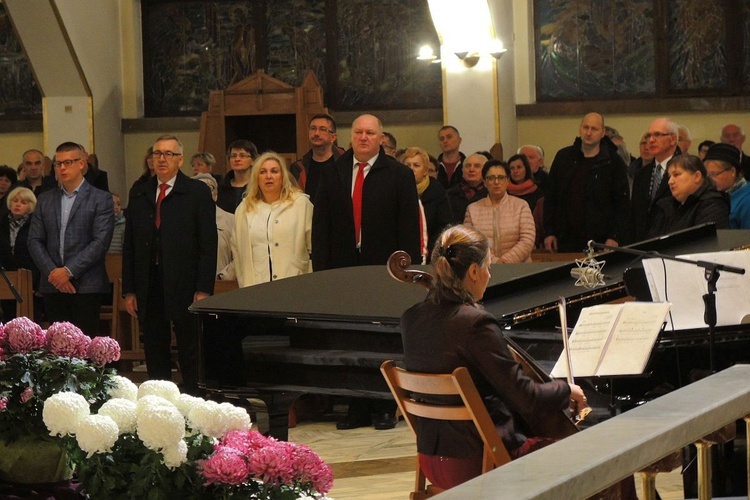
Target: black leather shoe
(349, 422)
(384, 421)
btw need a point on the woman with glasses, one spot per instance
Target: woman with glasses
(240, 156)
(504, 219)
(694, 199)
(724, 167)
(523, 186)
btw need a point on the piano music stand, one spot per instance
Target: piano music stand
(711, 274)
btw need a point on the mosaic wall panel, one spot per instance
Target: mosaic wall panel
(19, 95)
(377, 46)
(191, 48)
(697, 45)
(296, 31)
(594, 49)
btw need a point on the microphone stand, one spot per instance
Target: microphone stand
(10, 285)
(711, 273)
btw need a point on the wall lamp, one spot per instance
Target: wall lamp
(470, 59)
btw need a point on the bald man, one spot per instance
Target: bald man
(587, 194)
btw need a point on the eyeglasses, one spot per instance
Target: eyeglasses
(496, 178)
(244, 156)
(656, 135)
(67, 163)
(322, 130)
(166, 154)
(714, 175)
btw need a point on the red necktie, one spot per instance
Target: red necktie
(357, 201)
(162, 193)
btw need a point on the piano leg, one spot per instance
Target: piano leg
(278, 405)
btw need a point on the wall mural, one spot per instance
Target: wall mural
(19, 95)
(588, 49)
(191, 48)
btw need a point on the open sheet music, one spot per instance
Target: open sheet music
(684, 285)
(613, 339)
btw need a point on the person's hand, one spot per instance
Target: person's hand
(577, 397)
(550, 243)
(200, 296)
(67, 288)
(131, 304)
(58, 277)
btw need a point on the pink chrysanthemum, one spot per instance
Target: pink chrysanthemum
(24, 335)
(27, 394)
(245, 442)
(104, 350)
(225, 466)
(3, 403)
(272, 463)
(66, 339)
(308, 467)
(3, 353)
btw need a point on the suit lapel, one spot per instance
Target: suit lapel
(83, 193)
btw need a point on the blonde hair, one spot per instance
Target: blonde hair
(253, 193)
(414, 151)
(456, 249)
(25, 194)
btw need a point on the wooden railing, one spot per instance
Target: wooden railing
(594, 459)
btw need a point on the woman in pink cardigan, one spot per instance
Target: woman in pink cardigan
(504, 219)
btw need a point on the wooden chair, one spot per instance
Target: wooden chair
(459, 383)
(24, 284)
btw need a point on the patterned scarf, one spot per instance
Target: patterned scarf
(16, 223)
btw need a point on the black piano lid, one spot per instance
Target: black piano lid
(368, 293)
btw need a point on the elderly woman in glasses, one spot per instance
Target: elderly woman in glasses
(505, 219)
(724, 167)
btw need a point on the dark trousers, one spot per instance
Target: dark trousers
(81, 309)
(157, 335)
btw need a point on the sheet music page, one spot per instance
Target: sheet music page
(633, 338)
(588, 340)
(686, 285)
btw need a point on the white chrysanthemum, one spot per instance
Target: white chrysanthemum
(146, 403)
(96, 434)
(122, 411)
(214, 419)
(63, 412)
(160, 427)
(164, 388)
(124, 389)
(186, 402)
(174, 456)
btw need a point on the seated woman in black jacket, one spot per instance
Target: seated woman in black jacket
(694, 199)
(14, 236)
(449, 330)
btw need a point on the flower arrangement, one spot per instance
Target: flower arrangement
(154, 442)
(35, 364)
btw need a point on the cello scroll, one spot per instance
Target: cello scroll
(398, 267)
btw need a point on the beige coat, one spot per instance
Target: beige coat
(516, 231)
(289, 234)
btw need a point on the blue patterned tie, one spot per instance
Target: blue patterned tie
(655, 180)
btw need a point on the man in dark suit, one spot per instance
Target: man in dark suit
(70, 233)
(33, 169)
(366, 208)
(650, 185)
(169, 261)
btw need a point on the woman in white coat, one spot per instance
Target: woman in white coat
(272, 226)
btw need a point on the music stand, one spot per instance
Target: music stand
(712, 271)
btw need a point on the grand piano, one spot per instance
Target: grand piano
(328, 332)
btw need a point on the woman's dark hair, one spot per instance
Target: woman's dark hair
(526, 166)
(244, 145)
(6, 171)
(456, 249)
(689, 163)
(495, 163)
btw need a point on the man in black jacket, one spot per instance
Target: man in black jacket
(587, 194)
(323, 152)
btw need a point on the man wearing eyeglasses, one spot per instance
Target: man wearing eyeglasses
(323, 152)
(34, 178)
(169, 261)
(587, 194)
(70, 233)
(240, 157)
(650, 181)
